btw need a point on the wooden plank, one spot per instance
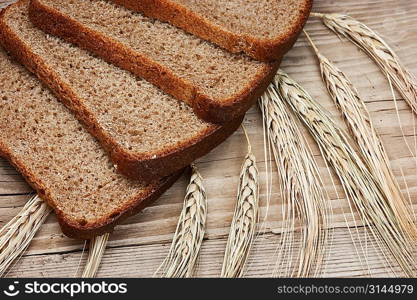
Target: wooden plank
(143, 261)
(140, 243)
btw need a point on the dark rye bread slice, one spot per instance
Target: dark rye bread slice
(62, 161)
(218, 85)
(263, 29)
(147, 133)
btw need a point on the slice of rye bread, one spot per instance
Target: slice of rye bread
(147, 133)
(62, 161)
(263, 29)
(218, 85)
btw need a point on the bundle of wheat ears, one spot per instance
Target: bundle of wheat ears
(301, 189)
(362, 188)
(366, 177)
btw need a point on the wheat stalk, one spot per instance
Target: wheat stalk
(358, 119)
(360, 186)
(376, 48)
(242, 229)
(301, 185)
(16, 235)
(95, 254)
(189, 234)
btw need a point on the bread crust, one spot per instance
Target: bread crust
(53, 22)
(182, 17)
(184, 155)
(134, 165)
(104, 225)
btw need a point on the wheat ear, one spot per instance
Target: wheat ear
(95, 254)
(245, 218)
(376, 48)
(16, 235)
(301, 185)
(360, 186)
(189, 234)
(359, 122)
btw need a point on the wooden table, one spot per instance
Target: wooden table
(139, 245)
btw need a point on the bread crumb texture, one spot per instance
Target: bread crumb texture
(51, 147)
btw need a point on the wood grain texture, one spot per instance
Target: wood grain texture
(138, 246)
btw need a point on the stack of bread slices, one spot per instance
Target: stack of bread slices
(113, 99)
